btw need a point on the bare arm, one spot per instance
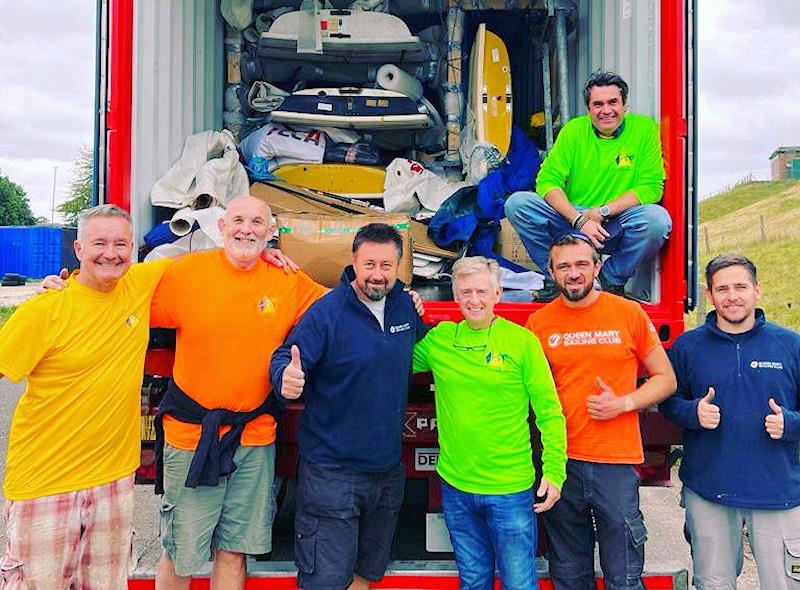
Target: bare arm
(659, 386)
(622, 203)
(559, 201)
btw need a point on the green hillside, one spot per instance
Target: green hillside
(762, 221)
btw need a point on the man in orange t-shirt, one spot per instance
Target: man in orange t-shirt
(231, 310)
(594, 342)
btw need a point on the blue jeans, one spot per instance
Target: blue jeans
(487, 527)
(645, 228)
(606, 497)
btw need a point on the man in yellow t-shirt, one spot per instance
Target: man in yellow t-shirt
(74, 439)
(594, 342)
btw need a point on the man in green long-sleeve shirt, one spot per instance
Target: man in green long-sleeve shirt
(603, 177)
(488, 372)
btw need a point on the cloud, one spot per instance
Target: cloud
(748, 78)
(748, 84)
(47, 64)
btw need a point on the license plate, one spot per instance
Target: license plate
(437, 539)
(425, 459)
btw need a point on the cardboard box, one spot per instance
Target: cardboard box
(509, 245)
(283, 197)
(321, 244)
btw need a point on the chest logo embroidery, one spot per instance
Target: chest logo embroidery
(496, 360)
(624, 160)
(132, 321)
(766, 365)
(266, 305)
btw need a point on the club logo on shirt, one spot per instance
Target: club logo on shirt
(766, 365)
(585, 338)
(132, 321)
(400, 328)
(496, 360)
(624, 160)
(266, 305)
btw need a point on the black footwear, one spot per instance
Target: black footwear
(546, 294)
(618, 290)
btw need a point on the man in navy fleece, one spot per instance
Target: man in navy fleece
(738, 401)
(351, 355)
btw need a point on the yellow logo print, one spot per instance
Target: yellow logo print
(624, 160)
(496, 360)
(266, 305)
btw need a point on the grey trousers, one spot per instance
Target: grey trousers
(715, 533)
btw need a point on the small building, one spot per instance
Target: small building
(781, 162)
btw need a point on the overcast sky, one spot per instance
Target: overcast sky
(749, 89)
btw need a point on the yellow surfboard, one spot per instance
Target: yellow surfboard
(350, 180)
(490, 97)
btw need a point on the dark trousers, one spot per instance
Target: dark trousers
(598, 501)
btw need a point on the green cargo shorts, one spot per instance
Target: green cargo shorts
(235, 515)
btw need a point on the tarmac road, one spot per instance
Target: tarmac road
(666, 548)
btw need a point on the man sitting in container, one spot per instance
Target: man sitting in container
(488, 373)
(74, 440)
(350, 355)
(603, 177)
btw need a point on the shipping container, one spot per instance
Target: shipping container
(36, 251)
(162, 75)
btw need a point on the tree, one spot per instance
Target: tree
(14, 206)
(80, 187)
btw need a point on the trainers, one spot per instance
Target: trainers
(546, 293)
(618, 290)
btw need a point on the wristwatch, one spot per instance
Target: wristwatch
(604, 211)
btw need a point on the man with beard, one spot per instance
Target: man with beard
(231, 310)
(738, 401)
(350, 355)
(595, 342)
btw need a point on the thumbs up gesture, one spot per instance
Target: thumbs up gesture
(293, 377)
(607, 404)
(707, 412)
(774, 421)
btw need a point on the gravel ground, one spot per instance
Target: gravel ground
(15, 295)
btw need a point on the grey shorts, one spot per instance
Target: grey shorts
(234, 516)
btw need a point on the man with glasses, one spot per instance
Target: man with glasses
(595, 342)
(603, 176)
(488, 372)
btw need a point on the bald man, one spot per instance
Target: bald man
(231, 310)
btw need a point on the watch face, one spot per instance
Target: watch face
(605, 211)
